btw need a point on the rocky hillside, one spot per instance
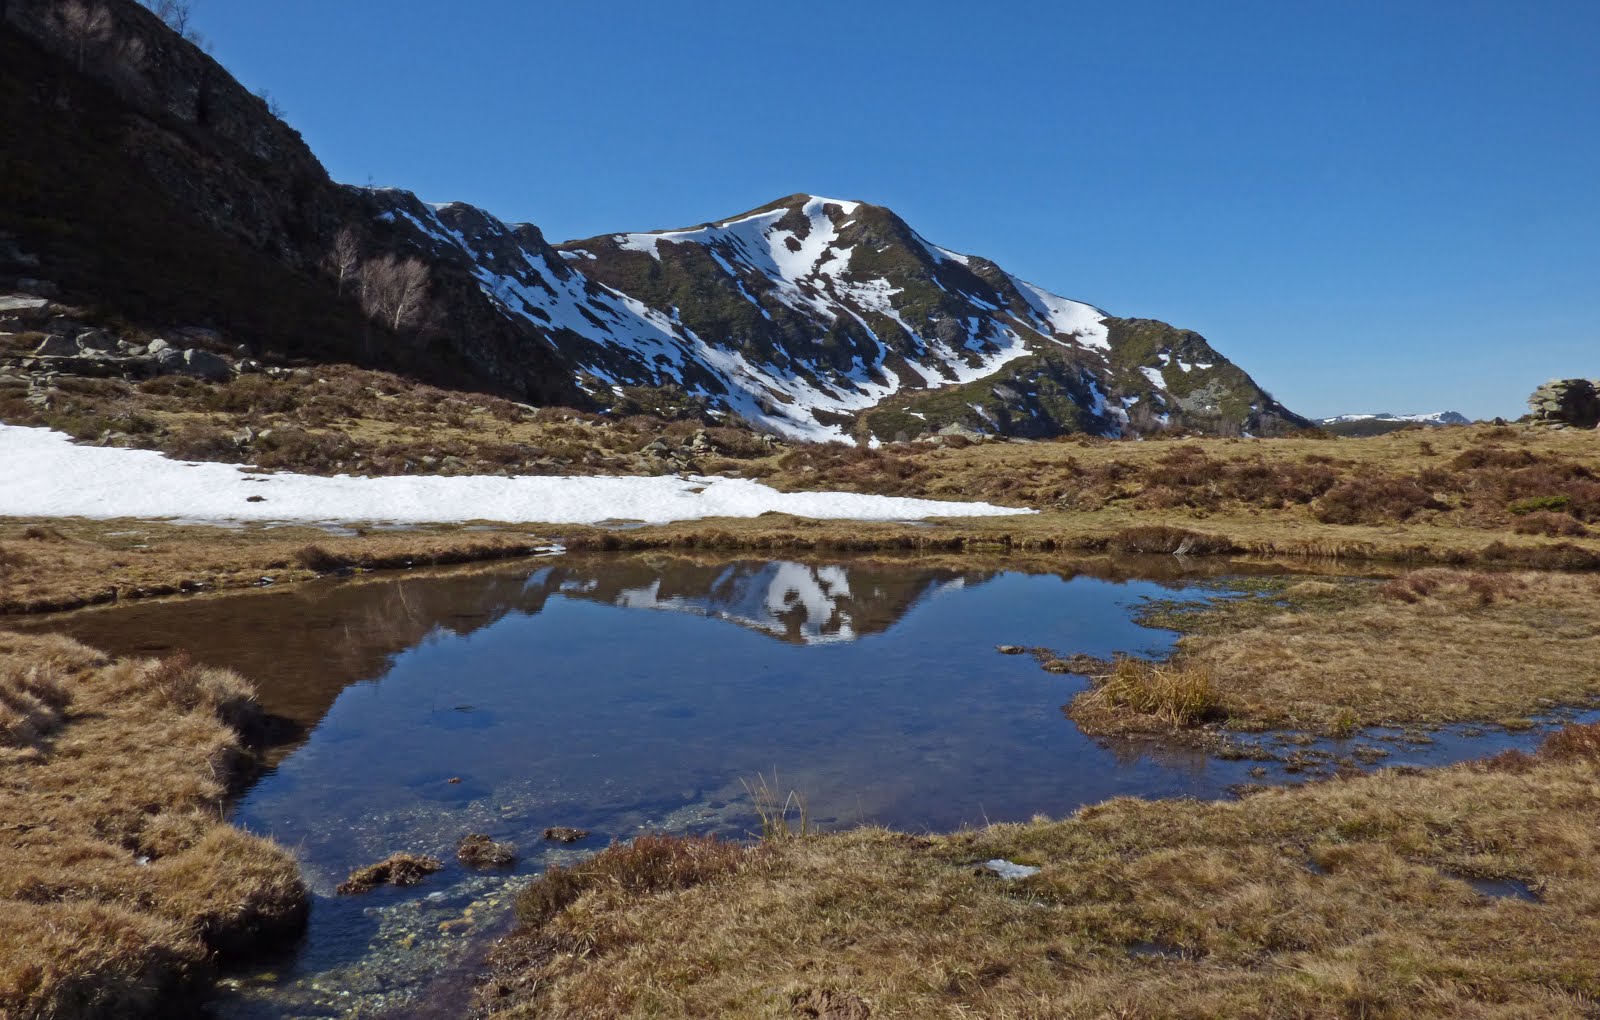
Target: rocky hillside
(149, 188)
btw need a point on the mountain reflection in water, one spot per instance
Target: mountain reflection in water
(302, 645)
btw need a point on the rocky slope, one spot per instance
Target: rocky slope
(143, 182)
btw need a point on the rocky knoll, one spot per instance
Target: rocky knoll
(1567, 404)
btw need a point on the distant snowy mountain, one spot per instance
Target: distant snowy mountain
(1436, 418)
(825, 319)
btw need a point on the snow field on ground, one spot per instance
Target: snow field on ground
(45, 475)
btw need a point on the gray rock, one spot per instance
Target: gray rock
(248, 367)
(169, 360)
(1564, 403)
(957, 429)
(98, 340)
(57, 347)
(203, 365)
(158, 345)
(24, 305)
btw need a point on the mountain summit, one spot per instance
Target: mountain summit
(828, 319)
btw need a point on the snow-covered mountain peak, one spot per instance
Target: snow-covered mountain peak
(804, 315)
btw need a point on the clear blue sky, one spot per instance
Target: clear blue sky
(1370, 206)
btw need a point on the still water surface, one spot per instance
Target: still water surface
(629, 694)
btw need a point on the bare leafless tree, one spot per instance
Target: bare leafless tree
(344, 258)
(176, 13)
(394, 291)
(87, 26)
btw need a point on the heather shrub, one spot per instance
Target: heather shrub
(1378, 500)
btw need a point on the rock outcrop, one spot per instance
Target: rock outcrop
(1567, 404)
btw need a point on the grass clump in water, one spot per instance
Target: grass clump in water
(774, 808)
(479, 851)
(1136, 694)
(399, 869)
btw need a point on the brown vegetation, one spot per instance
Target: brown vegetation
(328, 419)
(120, 883)
(73, 563)
(400, 869)
(1432, 646)
(479, 851)
(1343, 898)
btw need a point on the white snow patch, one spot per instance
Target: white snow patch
(47, 476)
(1154, 375)
(1010, 870)
(1065, 316)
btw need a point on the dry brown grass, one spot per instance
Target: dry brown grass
(400, 869)
(648, 864)
(89, 562)
(1338, 899)
(479, 851)
(1432, 646)
(338, 418)
(119, 880)
(1134, 694)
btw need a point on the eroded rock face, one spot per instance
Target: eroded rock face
(1567, 404)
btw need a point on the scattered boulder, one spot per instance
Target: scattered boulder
(97, 340)
(479, 851)
(203, 365)
(1010, 649)
(398, 869)
(157, 345)
(1566, 403)
(24, 306)
(57, 347)
(963, 432)
(565, 834)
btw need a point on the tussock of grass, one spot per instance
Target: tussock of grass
(1137, 693)
(479, 851)
(648, 864)
(1384, 925)
(119, 879)
(400, 869)
(775, 807)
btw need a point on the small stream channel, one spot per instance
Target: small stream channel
(630, 694)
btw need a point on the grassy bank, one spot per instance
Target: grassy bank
(65, 564)
(48, 565)
(120, 884)
(1432, 646)
(1338, 899)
